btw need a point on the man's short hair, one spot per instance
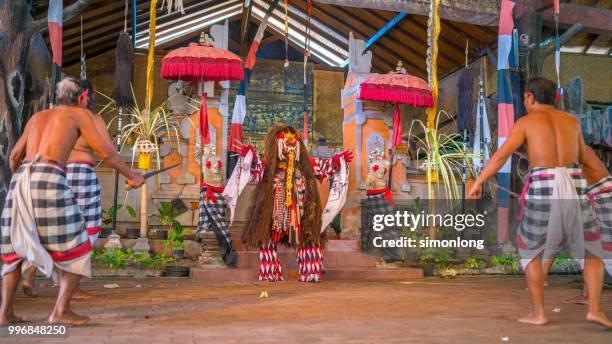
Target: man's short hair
(86, 85)
(543, 90)
(68, 91)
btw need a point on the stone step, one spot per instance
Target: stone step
(356, 274)
(332, 260)
(224, 275)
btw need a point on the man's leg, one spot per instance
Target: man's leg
(535, 282)
(593, 279)
(80, 294)
(62, 313)
(9, 287)
(580, 299)
(27, 283)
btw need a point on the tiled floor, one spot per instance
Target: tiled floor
(431, 310)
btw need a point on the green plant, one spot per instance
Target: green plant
(176, 231)
(109, 214)
(509, 260)
(444, 155)
(167, 215)
(475, 262)
(116, 258)
(443, 258)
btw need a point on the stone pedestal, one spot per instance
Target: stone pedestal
(114, 241)
(142, 245)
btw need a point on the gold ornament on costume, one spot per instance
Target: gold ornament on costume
(288, 149)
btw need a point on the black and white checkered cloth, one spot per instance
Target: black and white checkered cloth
(58, 217)
(600, 195)
(378, 205)
(213, 217)
(550, 225)
(83, 181)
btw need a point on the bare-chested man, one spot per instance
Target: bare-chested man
(599, 193)
(84, 184)
(41, 222)
(555, 197)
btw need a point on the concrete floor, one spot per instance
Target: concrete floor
(431, 310)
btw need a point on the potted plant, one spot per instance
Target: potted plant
(175, 240)
(108, 216)
(167, 217)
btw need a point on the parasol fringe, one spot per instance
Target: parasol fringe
(415, 97)
(122, 92)
(191, 69)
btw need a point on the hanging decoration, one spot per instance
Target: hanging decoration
(83, 74)
(482, 135)
(55, 21)
(433, 32)
(122, 91)
(306, 54)
(505, 109)
(465, 120)
(178, 5)
(557, 52)
(234, 143)
(286, 64)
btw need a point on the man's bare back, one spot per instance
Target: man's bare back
(552, 137)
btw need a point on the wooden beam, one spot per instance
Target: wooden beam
(268, 40)
(418, 45)
(524, 6)
(244, 26)
(367, 30)
(593, 19)
(600, 45)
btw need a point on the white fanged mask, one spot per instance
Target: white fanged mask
(288, 142)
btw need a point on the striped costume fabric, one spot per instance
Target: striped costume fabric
(310, 263)
(85, 186)
(270, 268)
(600, 195)
(213, 217)
(59, 222)
(505, 108)
(550, 223)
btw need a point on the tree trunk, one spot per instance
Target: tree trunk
(13, 61)
(21, 93)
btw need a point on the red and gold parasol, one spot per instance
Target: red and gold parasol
(202, 62)
(397, 87)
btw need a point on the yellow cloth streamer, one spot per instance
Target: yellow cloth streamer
(150, 61)
(433, 68)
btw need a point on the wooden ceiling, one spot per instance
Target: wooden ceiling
(406, 41)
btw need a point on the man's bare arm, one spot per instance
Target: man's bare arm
(513, 142)
(19, 150)
(104, 149)
(102, 130)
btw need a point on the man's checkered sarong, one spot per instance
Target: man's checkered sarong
(83, 181)
(59, 222)
(600, 196)
(551, 223)
(213, 217)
